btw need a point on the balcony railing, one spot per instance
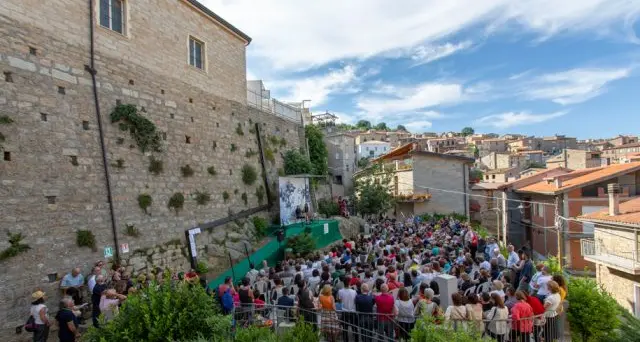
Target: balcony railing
(273, 106)
(601, 253)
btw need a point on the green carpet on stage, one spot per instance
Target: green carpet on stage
(324, 232)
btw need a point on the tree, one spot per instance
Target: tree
(363, 162)
(592, 313)
(427, 329)
(295, 163)
(345, 127)
(364, 124)
(373, 192)
(467, 131)
(318, 153)
(401, 128)
(382, 127)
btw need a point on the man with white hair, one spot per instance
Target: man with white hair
(67, 321)
(72, 284)
(502, 262)
(98, 289)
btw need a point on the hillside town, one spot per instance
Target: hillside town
(152, 188)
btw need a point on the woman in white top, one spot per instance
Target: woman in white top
(406, 319)
(40, 315)
(551, 304)
(457, 313)
(497, 316)
(498, 288)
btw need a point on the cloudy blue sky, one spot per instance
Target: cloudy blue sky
(530, 66)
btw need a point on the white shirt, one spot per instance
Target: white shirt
(486, 265)
(542, 281)
(347, 297)
(35, 312)
(554, 300)
(91, 283)
(405, 311)
(513, 259)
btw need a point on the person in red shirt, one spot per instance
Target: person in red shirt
(393, 284)
(522, 316)
(538, 311)
(386, 309)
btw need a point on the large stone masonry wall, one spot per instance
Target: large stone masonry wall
(47, 198)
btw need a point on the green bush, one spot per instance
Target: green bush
(254, 334)
(249, 174)
(244, 198)
(553, 264)
(131, 230)
(301, 332)
(426, 330)
(144, 202)
(155, 166)
(141, 129)
(85, 238)
(225, 196)
(592, 313)
(16, 246)
(187, 171)
(328, 207)
(261, 226)
(202, 267)
(212, 170)
(295, 163)
(166, 312)
(202, 197)
(301, 244)
(268, 155)
(176, 202)
(628, 330)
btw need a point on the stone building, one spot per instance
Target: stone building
(342, 161)
(183, 69)
(614, 249)
(576, 159)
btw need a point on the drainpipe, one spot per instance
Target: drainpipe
(92, 70)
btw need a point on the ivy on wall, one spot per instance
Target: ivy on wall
(202, 197)
(212, 170)
(144, 201)
(249, 174)
(187, 171)
(85, 238)
(176, 202)
(142, 130)
(156, 166)
(16, 246)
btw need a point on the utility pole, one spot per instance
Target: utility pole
(558, 226)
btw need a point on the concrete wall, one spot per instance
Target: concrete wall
(442, 173)
(207, 107)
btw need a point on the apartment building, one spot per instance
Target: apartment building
(623, 140)
(576, 159)
(488, 146)
(502, 160)
(615, 248)
(342, 161)
(372, 149)
(557, 143)
(370, 135)
(613, 155)
(442, 145)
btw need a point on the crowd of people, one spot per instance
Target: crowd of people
(384, 282)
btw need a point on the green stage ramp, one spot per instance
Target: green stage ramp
(324, 232)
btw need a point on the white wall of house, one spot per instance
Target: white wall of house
(373, 149)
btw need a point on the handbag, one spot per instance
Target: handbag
(486, 327)
(30, 326)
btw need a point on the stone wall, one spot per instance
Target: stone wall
(621, 285)
(54, 183)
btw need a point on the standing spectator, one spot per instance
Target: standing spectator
(426, 306)
(110, 302)
(541, 284)
(538, 312)
(522, 319)
(328, 318)
(364, 303)
(347, 297)
(67, 321)
(286, 303)
(474, 311)
(96, 294)
(91, 282)
(40, 314)
(526, 272)
(385, 305)
(510, 297)
(406, 319)
(456, 312)
(497, 326)
(306, 305)
(498, 288)
(552, 303)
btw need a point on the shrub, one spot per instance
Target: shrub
(16, 246)
(260, 194)
(301, 244)
(239, 129)
(176, 202)
(301, 332)
(244, 198)
(202, 197)
(187, 171)
(212, 170)
(295, 163)
(254, 334)
(328, 207)
(155, 166)
(250, 153)
(166, 312)
(131, 230)
(592, 314)
(225, 196)
(261, 226)
(233, 147)
(426, 330)
(144, 202)
(142, 129)
(85, 238)
(119, 164)
(202, 268)
(268, 155)
(249, 174)
(553, 264)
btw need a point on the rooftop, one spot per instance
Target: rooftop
(498, 171)
(219, 19)
(374, 142)
(624, 146)
(583, 178)
(629, 214)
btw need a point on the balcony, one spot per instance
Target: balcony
(413, 198)
(596, 251)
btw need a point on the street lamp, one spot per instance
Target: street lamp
(498, 211)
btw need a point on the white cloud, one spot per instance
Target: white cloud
(572, 86)
(293, 34)
(317, 88)
(410, 99)
(428, 53)
(511, 119)
(418, 126)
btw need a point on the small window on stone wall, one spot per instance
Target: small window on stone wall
(8, 76)
(187, 139)
(7, 156)
(164, 135)
(162, 91)
(217, 124)
(85, 125)
(33, 51)
(61, 90)
(190, 100)
(131, 82)
(214, 145)
(43, 117)
(192, 119)
(51, 199)
(230, 172)
(118, 102)
(74, 160)
(172, 115)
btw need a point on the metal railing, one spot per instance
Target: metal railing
(361, 326)
(273, 106)
(613, 249)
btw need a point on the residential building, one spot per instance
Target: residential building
(488, 146)
(501, 175)
(615, 247)
(524, 144)
(533, 157)
(467, 153)
(484, 206)
(395, 138)
(576, 159)
(557, 143)
(416, 176)
(513, 136)
(442, 145)
(531, 171)
(567, 194)
(342, 161)
(370, 135)
(476, 138)
(613, 155)
(373, 149)
(497, 160)
(623, 140)
(630, 158)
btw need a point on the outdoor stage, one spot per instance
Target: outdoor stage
(324, 232)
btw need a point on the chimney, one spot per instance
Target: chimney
(614, 198)
(558, 182)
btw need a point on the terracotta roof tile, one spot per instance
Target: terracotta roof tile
(629, 213)
(598, 174)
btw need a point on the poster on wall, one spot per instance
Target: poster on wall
(294, 193)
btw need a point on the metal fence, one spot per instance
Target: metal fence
(361, 326)
(273, 106)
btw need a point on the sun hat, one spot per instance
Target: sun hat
(37, 295)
